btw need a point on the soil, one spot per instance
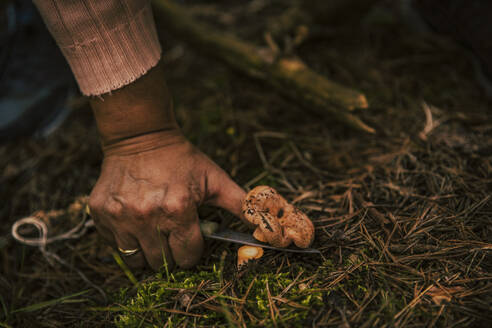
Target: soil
(402, 217)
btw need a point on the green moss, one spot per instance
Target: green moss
(147, 308)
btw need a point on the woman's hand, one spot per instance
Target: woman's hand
(147, 198)
(152, 179)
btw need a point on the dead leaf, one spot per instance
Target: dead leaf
(440, 294)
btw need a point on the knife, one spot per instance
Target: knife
(247, 239)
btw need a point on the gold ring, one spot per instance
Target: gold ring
(128, 252)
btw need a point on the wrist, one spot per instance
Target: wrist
(144, 143)
(139, 111)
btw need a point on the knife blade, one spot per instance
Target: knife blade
(247, 239)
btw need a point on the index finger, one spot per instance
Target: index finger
(226, 194)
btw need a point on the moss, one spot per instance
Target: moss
(147, 308)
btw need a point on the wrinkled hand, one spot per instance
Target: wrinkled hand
(147, 197)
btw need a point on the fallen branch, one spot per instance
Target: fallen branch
(288, 76)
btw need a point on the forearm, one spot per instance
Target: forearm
(113, 49)
(138, 109)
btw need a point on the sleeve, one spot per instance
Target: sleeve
(107, 43)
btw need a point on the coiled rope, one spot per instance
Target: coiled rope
(43, 240)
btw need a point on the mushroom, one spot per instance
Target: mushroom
(246, 253)
(277, 222)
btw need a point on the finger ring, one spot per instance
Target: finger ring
(128, 252)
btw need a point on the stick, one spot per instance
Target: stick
(289, 77)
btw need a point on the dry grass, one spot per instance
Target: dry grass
(402, 218)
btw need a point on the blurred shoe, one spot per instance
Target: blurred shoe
(35, 81)
(468, 22)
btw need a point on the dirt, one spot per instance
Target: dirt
(402, 217)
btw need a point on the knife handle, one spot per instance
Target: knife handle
(208, 227)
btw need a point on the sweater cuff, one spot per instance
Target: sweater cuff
(104, 59)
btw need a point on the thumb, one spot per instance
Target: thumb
(223, 192)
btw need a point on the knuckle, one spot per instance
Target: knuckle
(101, 203)
(96, 202)
(142, 211)
(177, 204)
(113, 207)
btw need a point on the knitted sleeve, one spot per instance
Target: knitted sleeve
(107, 43)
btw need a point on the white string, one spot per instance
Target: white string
(42, 228)
(42, 241)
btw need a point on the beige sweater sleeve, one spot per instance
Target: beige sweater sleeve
(108, 43)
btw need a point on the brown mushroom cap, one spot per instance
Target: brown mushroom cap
(278, 222)
(246, 253)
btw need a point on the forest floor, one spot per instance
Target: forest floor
(403, 217)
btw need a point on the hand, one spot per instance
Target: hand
(148, 193)
(152, 179)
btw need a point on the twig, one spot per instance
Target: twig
(287, 76)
